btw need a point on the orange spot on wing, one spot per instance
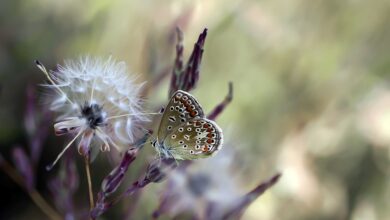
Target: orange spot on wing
(192, 113)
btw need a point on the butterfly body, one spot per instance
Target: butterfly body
(184, 132)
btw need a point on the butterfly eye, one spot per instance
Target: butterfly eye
(198, 141)
(189, 102)
(192, 107)
(173, 136)
(185, 98)
(185, 146)
(197, 147)
(181, 142)
(192, 152)
(181, 129)
(179, 95)
(172, 108)
(169, 127)
(197, 129)
(183, 120)
(189, 129)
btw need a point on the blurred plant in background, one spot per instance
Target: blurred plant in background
(310, 78)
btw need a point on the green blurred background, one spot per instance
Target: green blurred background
(311, 92)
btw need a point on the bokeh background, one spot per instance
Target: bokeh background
(311, 91)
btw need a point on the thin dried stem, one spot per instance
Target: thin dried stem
(35, 196)
(90, 191)
(43, 205)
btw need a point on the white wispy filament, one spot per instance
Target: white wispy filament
(97, 101)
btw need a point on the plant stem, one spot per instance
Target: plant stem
(35, 196)
(43, 205)
(87, 169)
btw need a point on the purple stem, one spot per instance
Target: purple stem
(24, 166)
(185, 78)
(178, 65)
(165, 202)
(35, 123)
(156, 172)
(221, 107)
(64, 185)
(113, 180)
(102, 206)
(237, 212)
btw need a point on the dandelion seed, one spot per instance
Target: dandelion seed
(97, 101)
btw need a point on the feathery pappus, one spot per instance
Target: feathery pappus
(97, 102)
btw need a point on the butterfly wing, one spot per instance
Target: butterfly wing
(181, 108)
(197, 138)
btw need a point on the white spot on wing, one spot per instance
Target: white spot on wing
(202, 135)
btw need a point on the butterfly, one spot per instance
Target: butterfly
(184, 132)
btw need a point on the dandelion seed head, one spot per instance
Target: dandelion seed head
(98, 96)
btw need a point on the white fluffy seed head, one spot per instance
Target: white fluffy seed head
(106, 83)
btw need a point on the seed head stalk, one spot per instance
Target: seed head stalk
(90, 189)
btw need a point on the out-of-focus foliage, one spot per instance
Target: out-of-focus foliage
(311, 98)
